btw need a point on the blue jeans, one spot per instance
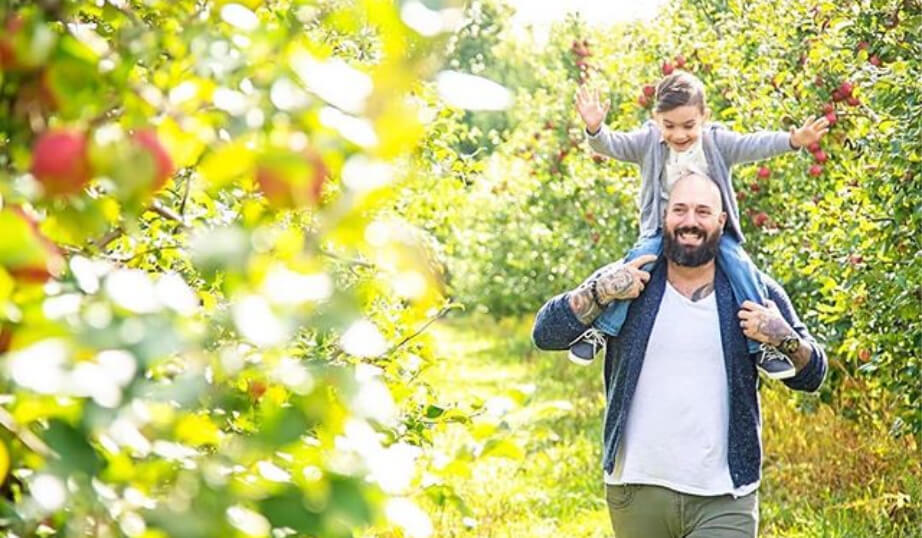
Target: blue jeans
(744, 280)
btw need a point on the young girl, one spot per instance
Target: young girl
(679, 139)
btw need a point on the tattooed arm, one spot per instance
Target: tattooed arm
(766, 324)
(613, 282)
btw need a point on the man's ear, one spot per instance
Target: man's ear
(723, 218)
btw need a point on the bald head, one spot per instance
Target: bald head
(696, 188)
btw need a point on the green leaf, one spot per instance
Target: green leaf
(71, 445)
(503, 448)
(287, 509)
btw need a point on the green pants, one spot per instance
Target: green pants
(642, 511)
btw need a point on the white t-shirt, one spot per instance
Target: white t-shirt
(677, 426)
(678, 162)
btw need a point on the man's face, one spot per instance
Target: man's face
(694, 222)
(681, 126)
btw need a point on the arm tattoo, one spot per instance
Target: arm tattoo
(583, 305)
(774, 328)
(614, 284)
(702, 292)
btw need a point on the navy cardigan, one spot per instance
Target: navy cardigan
(556, 327)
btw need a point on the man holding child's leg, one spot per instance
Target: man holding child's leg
(682, 451)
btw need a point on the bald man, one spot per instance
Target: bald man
(682, 452)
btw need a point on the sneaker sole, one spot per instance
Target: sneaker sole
(785, 374)
(579, 360)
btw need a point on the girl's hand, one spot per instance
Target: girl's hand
(810, 132)
(590, 109)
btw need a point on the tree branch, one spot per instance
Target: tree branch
(441, 313)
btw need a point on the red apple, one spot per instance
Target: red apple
(9, 60)
(740, 195)
(828, 107)
(163, 164)
(668, 68)
(6, 337)
(754, 187)
(759, 219)
(7, 51)
(256, 389)
(837, 96)
(863, 45)
(680, 61)
(25, 45)
(60, 161)
(855, 259)
(814, 147)
(832, 118)
(853, 101)
(846, 88)
(875, 60)
(643, 101)
(289, 179)
(816, 170)
(820, 156)
(764, 172)
(649, 90)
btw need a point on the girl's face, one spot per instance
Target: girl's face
(681, 126)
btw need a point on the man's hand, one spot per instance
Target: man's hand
(764, 323)
(811, 131)
(590, 109)
(618, 281)
(614, 281)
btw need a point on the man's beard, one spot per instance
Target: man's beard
(690, 256)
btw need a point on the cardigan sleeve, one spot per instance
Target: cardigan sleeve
(811, 376)
(556, 326)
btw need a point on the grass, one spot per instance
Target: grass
(823, 476)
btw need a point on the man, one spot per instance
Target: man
(682, 448)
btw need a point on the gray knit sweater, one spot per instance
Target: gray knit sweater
(556, 327)
(722, 148)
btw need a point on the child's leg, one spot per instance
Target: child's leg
(612, 318)
(744, 278)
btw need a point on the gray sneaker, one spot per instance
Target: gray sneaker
(587, 347)
(774, 363)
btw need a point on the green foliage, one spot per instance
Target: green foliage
(210, 325)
